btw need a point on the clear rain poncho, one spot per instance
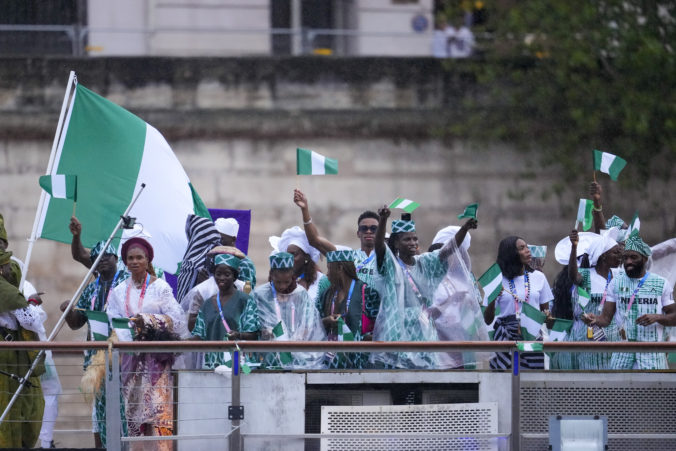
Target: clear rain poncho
(456, 310)
(403, 314)
(300, 320)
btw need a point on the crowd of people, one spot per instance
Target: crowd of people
(387, 289)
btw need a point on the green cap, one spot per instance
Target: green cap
(635, 243)
(228, 260)
(401, 225)
(281, 260)
(344, 255)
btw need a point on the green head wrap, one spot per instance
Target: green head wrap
(228, 260)
(344, 255)
(635, 243)
(401, 225)
(281, 260)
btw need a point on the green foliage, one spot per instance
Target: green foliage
(572, 76)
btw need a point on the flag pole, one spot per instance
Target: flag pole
(72, 81)
(72, 302)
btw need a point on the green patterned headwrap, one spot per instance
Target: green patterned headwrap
(98, 247)
(344, 255)
(401, 225)
(615, 221)
(228, 260)
(635, 243)
(281, 260)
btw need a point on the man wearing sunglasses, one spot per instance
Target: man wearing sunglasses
(367, 224)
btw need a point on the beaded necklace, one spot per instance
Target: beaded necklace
(512, 291)
(139, 306)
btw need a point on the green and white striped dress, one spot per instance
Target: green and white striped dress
(652, 296)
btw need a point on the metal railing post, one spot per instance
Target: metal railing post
(516, 403)
(235, 413)
(113, 419)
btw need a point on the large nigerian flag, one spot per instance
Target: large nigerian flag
(112, 152)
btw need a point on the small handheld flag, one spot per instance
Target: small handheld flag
(280, 335)
(529, 347)
(491, 282)
(470, 211)
(344, 332)
(309, 162)
(635, 224)
(584, 214)
(405, 204)
(608, 163)
(60, 186)
(122, 328)
(583, 297)
(560, 329)
(531, 321)
(98, 325)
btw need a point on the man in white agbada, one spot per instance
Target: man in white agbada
(456, 304)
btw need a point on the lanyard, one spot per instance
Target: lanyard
(414, 287)
(366, 262)
(139, 306)
(633, 295)
(279, 310)
(347, 301)
(220, 312)
(605, 290)
(96, 292)
(512, 291)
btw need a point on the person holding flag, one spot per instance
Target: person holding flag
(367, 224)
(146, 377)
(406, 282)
(95, 298)
(524, 295)
(644, 305)
(286, 313)
(589, 294)
(347, 307)
(229, 315)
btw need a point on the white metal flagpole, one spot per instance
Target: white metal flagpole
(72, 81)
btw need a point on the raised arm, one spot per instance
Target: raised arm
(316, 241)
(573, 273)
(599, 219)
(448, 248)
(380, 246)
(77, 250)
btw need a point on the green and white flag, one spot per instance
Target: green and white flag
(112, 152)
(491, 282)
(405, 204)
(470, 211)
(309, 162)
(280, 335)
(583, 297)
(531, 321)
(635, 224)
(98, 325)
(529, 347)
(608, 163)
(560, 329)
(344, 332)
(584, 214)
(122, 329)
(60, 186)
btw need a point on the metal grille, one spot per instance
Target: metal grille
(452, 419)
(631, 408)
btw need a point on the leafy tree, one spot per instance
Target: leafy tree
(571, 76)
